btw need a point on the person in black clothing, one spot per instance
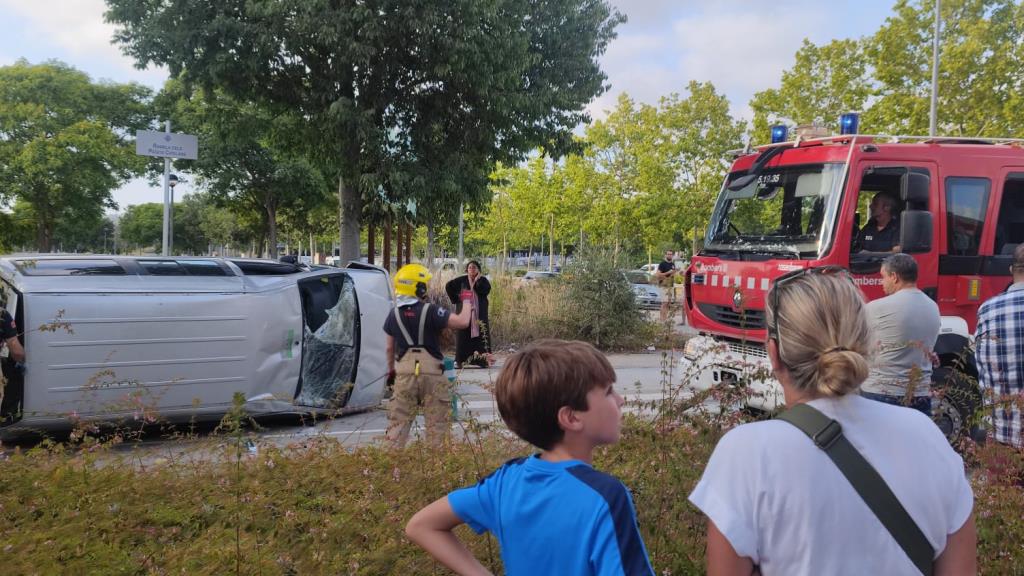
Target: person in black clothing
(472, 344)
(665, 277)
(9, 338)
(882, 231)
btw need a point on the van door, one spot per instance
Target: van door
(330, 341)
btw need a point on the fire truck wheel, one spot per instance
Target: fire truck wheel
(957, 401)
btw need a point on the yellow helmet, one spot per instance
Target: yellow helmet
(411, 280)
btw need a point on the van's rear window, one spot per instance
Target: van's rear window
(70, 267)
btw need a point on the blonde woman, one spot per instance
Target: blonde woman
(778, 504)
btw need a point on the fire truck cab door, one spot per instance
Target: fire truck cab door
(892, 179)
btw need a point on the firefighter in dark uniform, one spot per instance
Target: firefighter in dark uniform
(882, 232)
(413, 339)
(9, 340)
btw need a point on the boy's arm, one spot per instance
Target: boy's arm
(431, 528)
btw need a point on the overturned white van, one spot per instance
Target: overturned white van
(112, 337)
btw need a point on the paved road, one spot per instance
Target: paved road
(641, 378)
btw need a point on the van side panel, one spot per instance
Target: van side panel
(157, 353)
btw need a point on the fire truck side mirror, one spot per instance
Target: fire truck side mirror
(914, 189)
(915, 231)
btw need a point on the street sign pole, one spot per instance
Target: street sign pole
(167, 199)
(167, 145)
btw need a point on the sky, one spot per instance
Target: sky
(740, 46)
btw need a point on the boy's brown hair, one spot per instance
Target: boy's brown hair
(546, 375)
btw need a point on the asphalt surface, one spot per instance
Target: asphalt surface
(641, 378)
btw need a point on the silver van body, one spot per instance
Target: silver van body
(111, 337)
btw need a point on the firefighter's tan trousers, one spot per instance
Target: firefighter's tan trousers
(427, 387)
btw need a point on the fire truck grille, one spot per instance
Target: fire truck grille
(747, 349)
(745, 320)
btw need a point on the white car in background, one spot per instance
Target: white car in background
(648, 296)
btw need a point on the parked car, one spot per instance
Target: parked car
(647, 295)
(535, 276)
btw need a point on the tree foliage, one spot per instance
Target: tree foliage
(646, 178)
(246, 160)
(390, 89)
(887, 75)
(66, 143)
(825, 82)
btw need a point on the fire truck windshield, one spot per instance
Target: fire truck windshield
(783, 211)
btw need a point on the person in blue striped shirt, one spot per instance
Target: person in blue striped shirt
(552, 512)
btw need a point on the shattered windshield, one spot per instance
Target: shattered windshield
(783, 211)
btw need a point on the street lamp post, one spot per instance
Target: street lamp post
(172, 181)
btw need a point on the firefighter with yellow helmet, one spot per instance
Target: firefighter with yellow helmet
(413, 339)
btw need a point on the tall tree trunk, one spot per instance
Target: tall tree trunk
(430, 243)
(272, 231)
(408, 242)
(387, 243)
(350, 207)
(371, 242)
(551, 245)
(44, 235)
(399, 228)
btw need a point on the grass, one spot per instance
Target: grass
(319, 508)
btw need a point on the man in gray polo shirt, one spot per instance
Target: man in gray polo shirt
(904, 325)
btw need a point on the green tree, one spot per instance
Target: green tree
(141, 225)
(375, 83)
(65, 142)
(981, 70)
(245, 159)
(825, 82)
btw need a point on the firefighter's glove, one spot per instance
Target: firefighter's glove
(389, 384)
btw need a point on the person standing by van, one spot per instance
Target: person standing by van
(472, 344)
(9, 337)
(413, 340)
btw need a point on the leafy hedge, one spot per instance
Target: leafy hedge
(318, 508)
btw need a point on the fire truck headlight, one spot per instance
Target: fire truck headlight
(691, 349)
(849, 123)
(779, 133)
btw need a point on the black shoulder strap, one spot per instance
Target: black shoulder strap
(827, 434)
(423, 322)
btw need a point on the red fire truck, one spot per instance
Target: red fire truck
(796, 204)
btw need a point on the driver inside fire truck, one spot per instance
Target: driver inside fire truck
(882, 231)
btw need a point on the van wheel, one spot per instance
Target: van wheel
(956, 402)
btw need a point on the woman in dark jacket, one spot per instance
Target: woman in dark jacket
(472, 344)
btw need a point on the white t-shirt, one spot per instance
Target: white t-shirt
(782, 502)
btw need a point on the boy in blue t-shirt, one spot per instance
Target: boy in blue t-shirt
(552, 513)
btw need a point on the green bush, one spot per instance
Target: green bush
(320, 508)
(601, 306)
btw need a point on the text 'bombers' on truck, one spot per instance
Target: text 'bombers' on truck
(798, 204)
(113, 337)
